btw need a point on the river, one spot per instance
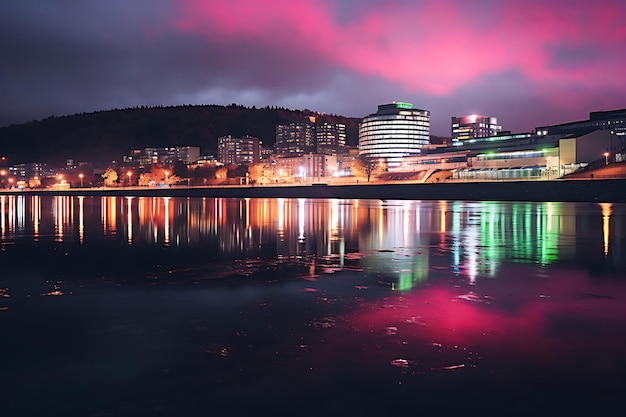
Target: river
(126, 306)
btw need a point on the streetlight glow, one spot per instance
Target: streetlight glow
(606, 158)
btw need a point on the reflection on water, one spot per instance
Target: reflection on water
(132, 306)
(403, 240)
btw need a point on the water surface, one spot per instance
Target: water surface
(198, 306)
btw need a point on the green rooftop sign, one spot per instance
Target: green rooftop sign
(402, 105)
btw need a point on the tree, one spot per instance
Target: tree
(255, 172)
(158, 175)
(180, 169)
(145, 178)
(367, 167)
(173, 179)
(378, 166)
(358, 168)
(237, 171)
(221, 173)
(110, 177)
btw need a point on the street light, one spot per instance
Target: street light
(81, 180)
(606, 158)
(166, 174)
(130, 174)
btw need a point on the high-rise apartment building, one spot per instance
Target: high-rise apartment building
(295, 139)
(474, 126)
(394, 131)
(331, 138)
(238, 151)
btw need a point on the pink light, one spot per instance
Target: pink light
(431, 48)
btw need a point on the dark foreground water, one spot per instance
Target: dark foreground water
(184, 307)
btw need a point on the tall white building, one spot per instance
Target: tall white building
(394, 131)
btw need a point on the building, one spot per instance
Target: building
(309, 167)
(164, 156)
(331, 138)
(238, 151)
(207, 161)
(187, 154)
(474, 126)
(613, 120)
(28, 170)
(295, 139)
(267, 153)
(521, 156)
(394, 131)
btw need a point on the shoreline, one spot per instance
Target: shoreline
(594, 191)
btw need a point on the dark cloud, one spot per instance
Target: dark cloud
(64, 57)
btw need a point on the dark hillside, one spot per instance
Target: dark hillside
(107, 135)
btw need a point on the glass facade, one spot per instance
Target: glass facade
(394, 131)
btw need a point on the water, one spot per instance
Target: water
(171, 306)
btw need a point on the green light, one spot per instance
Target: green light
(405, 281)
(402, 105)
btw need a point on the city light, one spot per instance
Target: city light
(606, 158)
(81, 179)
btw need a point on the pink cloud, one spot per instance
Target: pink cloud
(433, 47)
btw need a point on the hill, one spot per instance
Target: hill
(103, 136)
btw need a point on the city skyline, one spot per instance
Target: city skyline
(529, 64)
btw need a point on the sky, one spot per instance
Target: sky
(528, 63)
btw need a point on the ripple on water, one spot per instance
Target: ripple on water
(324, 323)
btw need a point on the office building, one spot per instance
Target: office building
(474, 126)
(394, 131)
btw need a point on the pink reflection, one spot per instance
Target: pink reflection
(528, 319)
